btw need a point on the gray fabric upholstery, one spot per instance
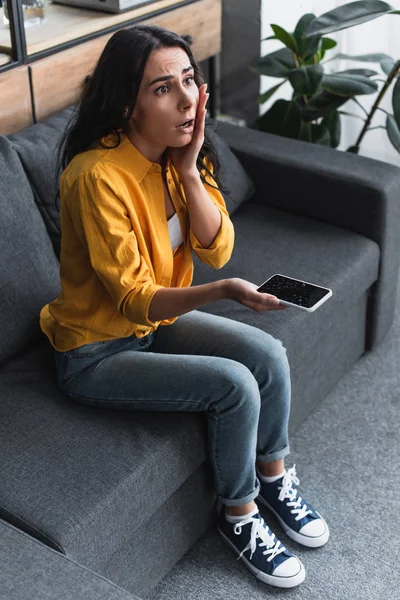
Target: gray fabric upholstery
(232, 174)
(346, 190)
(83, 480)
(32, 571)
(165, 535)
(126, 494)
(29, 270)
(37, 149)
(87, 481)
(322, 345)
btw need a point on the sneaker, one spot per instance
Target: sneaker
(297, 517)
(262, 552)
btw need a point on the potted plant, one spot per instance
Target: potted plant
(314, 112)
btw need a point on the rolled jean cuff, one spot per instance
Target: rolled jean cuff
(240, 501)
(271, 457)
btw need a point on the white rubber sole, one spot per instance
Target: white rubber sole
(304, 540)
(281, 582)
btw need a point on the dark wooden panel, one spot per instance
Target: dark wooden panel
(241, 35)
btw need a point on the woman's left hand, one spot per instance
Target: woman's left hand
(185, 158)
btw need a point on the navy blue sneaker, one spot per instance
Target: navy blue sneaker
(297, 517)
(262, 552)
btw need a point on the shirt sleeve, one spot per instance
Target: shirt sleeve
(220, 251)
(113, 249)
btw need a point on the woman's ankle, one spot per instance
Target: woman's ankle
(244, 509)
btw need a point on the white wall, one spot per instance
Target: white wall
(379, 35)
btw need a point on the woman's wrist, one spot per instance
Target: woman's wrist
(189, 176)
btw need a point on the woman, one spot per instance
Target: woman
(139, 190)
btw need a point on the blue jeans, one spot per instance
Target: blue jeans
(237, 374)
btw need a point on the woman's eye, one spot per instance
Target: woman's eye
(167, 88)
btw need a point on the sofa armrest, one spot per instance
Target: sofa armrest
(340, 188)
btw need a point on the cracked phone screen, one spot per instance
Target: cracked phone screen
(294, 291)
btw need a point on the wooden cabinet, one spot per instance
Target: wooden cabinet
(56, 79)
(15, 100)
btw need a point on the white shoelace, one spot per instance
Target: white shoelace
(287, 491)
(259, 531)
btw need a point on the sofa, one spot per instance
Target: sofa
(119, 497)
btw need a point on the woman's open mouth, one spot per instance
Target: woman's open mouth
(186, 127)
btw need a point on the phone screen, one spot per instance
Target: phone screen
(294, 291)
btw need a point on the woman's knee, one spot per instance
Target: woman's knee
(238, 386)
(270, 347)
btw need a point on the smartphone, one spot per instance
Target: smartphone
(295, 292)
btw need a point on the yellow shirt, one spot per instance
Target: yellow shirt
(115, 245)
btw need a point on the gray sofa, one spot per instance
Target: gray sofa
(122, 496)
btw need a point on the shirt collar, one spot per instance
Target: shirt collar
(138, 163)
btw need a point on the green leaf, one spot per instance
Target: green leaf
(271, 37)
(327, 44)
(306, 80)
(321, 105)
(320, 135)
(283, 118)
(344, 84)
(387, 65)
(353, 149)
(386, 61)
(285, 37)
(348, 15)
(373, 57)
(393, 132)
(332, 123)
(396, 102)
(363, 72)
(267, 95)
(302, 25)
(306, 46)
(276, 64)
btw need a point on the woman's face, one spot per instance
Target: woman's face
(163, 105)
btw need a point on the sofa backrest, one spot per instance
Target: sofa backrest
(36, 147)
(30, 223)
(29, 269)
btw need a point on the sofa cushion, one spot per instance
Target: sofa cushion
(232, 174)
(29, 270)
(83, 479)
(323, 345)
(30, 570)
(37, 149)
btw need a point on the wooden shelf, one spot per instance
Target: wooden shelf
(4, 59)
(68, 23)
(50, 83)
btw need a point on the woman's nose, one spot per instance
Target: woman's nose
(188, 98)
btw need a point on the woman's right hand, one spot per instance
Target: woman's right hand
(245, 293)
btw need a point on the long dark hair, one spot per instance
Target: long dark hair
(113, 85)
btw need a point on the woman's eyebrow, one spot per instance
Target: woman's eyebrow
(168, 77)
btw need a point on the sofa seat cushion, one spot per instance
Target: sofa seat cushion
(83, 479)
(323, 345)
(30, 570)
(268, 241)
(29, 269)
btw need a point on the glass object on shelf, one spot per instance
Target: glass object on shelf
(34, 11)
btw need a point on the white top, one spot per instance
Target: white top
(175, 231)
